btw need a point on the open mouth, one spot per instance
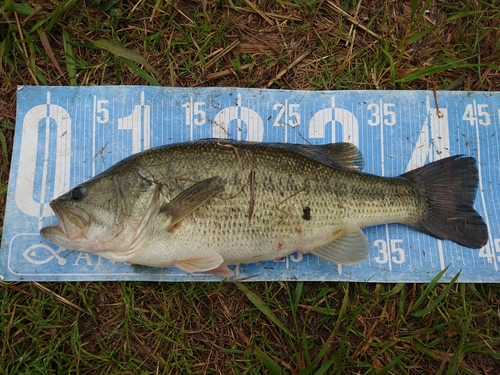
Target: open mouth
(72, 222)
(55, 207)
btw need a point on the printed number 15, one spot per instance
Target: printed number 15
(194, 113)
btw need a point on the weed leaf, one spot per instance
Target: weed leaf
(438, 299)
(122, 52)
(264, 308)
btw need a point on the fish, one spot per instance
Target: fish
(204, 205)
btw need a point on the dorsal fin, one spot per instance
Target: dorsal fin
(342, 154)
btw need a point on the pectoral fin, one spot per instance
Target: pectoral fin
(208, 263)
(349, 246)
(190, 199)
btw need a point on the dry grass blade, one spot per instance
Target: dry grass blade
(260, 12)
(288, 68)
(354, 21)
(277, 16)
(30, 68)
(221, 53)
(227, 72)
(59, 298)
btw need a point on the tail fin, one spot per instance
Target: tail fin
(449, 187)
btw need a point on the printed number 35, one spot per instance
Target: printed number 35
(398, 254)
(382, 111)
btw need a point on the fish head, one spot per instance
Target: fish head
(107, 215)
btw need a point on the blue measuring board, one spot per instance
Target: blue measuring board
(65, 135)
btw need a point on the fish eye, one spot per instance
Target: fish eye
(78, 193)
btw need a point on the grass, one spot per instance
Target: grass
(251, 328)
(278, 328)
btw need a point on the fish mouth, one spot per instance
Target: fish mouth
(73, 223)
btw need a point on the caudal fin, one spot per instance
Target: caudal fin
(449, 187)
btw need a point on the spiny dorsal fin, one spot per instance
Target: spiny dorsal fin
(341, 154)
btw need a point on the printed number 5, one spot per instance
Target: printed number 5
(104, 113)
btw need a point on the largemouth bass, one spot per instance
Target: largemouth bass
(204, 205)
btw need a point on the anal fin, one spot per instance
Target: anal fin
(204, 264)
(349, 246)
(222, 271)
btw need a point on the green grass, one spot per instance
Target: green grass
(251, 328)
(281, 328)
